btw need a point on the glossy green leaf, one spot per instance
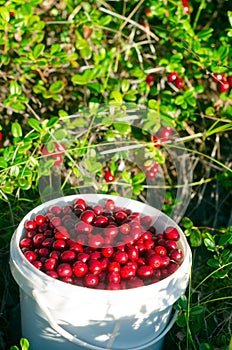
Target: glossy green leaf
(38, 50)
(195, 238)
(138, 178)
(56, 87)
(84, 78)
(3, 163)
(35, 124)
(4, 13)
(16, 130)
(209, 244)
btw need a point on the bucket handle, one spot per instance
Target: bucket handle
(42, 304)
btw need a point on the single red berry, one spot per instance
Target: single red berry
(79, 268)
(40, 219)
(80, 202)
(95, 266)
(30, 255)
(59, 244)
(120, 257)
(98, 210)
(111, 231)
(109, 204)
(52, 274)
(171, 233)
(150, 79)
(171, 245)
(179, 83)
(127, 272)
(223, 86)
(26, 243)
(38, 264)
(114, 266)
(160, 250)
(12, 13)
(100, 221)
(172, 77)
(91, 280)
(148, 12)
(107, 251)
(176, 255)
(50, 264)
(145, 271)
(67, 256)
(217, 77)
(96, 241)
(155, 261)
(125, 229)
(38, 239)
(64, 270)
(109, 177)
(30, 225)
(114, 277)
(229, 79)
(43, 252)
(87, 216)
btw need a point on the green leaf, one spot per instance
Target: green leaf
(131, 95)
(123, 128)
(14, 171)
(138, 178)
(179, 100)
(117, 96)
(52, 122)
(213, 263)
(125, 85)
(16, 130)
(223, 52)
(205, 34)
(15, 88)
(24, 184)
(92, 165)
(195, 238)
(209, 244)
(4, 13)
(191, 101)
(224, 239)
(187, 223)
(56, 87)
(38, 50)
(24, 344)
(84, 78)
(126, 176)
(59, 135)
(35, 124)
(3, 163)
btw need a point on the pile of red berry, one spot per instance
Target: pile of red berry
(174, 78)
(100, 246)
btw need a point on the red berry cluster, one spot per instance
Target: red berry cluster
(57, 154)
(174, 78)
(74, 251)
(163, 135)
(186, 7)
(223, 83)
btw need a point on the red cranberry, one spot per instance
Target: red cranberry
(151, 174)
(30, 255)
(80, 202)
(110, 204)
(67, 256)
(145, 271)
(120, 216)
(217, 77)
(150, 79)
(40, 219)
(59, 244)
(179, 83)
(171, 245)
(91, 280)
(160, 250)
(87, 216)
(30, 225)
(146, 221)
(80, 268)
(133, 254)
(96, 241)
(176, 255)
(47, 243)
(44, 252)
(100, 221)
(38, 264)
(76, 247)
(82, 227)
(114, 277)
(95, 255)
(171, 233)
(52, 274)
(109, 177)
(107, 251)
(56, 209)
(55, 254)
(229, 79)
(165, 261)
(38, 239)
(26, 243)
(155, 261)
(165, 133)
(114, 266)
(55, 221)
(83, 257)
(50, 264)
(95, 267)
(127, 272)
(120, 257)
(172, 77)
(124, 229)
(113, 286)
(157, 141)
(172, 268)
(67, 279)
(61, 233)
(98, 210)
(64, 270)
(31, 234)
(223, 86)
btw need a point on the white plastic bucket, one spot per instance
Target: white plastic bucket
(59, 316)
